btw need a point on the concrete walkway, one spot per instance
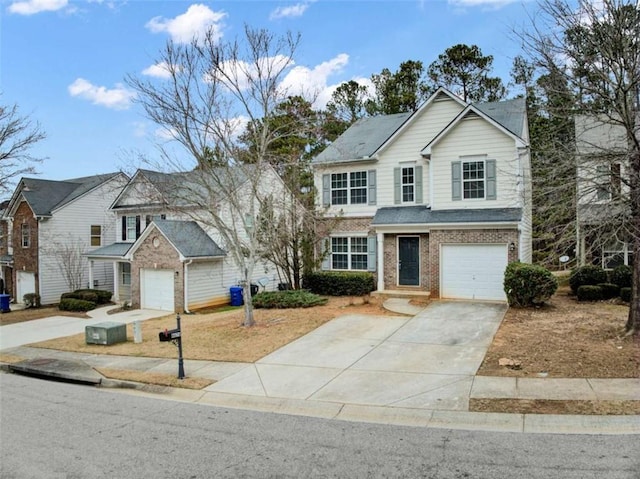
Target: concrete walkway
(27, 332)
(416, 370)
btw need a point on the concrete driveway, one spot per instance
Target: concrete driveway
(427, 361)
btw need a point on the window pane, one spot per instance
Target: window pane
(408, 182)
(359, 261)
(338, 180)
(358, 245)
(340, 261)
(358, 196)
(339, 245)
(407, 193)
(473, 179)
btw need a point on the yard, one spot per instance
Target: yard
(564, 339)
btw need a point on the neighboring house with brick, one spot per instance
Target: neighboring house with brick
(51, 224)
(602, 193)
(436, 202)
(164, 258)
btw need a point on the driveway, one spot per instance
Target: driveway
(427, 361)
(27, 332)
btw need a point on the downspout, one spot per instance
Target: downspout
(186, 286)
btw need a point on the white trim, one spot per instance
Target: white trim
(380, 253)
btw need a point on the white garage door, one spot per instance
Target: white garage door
(156, 289)
(26, 284)
(474, 271)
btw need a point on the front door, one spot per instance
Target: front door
(409, 261)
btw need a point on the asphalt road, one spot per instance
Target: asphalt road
(56, 430)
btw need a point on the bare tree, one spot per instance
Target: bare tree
(593, 48)
(212, 91)
(17, 135)
(68, 257)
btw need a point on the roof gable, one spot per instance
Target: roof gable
(46, 196)
(186, 237)
(472, 112)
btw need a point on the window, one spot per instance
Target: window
(408, 184)
(473, 180)
(608, 181)
(349, 253)
(149, 218)
(616, 254)
(349, 188)
(131, 227)
(126, 274)
(96, 235)
(26, 235)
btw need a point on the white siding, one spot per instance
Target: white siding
(205, 283)
(470, 138)
(72, 223)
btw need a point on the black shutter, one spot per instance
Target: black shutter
(137, 226)
(124, 228)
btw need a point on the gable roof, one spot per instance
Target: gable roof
(45, 196)
(367, 136)
(168, 185)
(189, 239)
(362, 139)
(473, 111)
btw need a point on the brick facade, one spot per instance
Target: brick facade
(163, 256)
(24, 258)
(391, 262)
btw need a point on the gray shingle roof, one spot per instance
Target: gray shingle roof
(362, 139)
(403, 215)
(189, 238)
(509, 113)
(115, 250)
(44, 196)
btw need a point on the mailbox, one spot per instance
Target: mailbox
(169, 335)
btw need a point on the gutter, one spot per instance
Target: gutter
(186, 286)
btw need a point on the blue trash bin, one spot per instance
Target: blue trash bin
(237, 299)
(4, 303)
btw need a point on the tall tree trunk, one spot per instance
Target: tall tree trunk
(633, 322)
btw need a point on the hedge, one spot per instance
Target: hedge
(339, 283)
(589, 293)
(588, 275)
(609, 290)
(71, 304)
(528, 285)
(625, 294)
(97, 296)
(622, 276)
(31, 300)
(287, 299)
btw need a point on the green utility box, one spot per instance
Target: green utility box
(106, 333)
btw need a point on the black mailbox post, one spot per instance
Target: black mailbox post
(175, 336)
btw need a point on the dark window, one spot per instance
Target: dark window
(408, 184)
(96, 235)
(473, 177)
(349, 253)
(26, 235)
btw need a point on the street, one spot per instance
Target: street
(58, 430)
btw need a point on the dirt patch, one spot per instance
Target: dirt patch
(548, 406)
(221, 336)
(155, 378)
(20, 315)
(565, 339)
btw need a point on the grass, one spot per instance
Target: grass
(157, 379)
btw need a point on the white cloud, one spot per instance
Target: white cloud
(31, 7)
(118, 98)
(240, 71)
(312, 82)
(291, 11)
(191, 24)
(481, 3)
(159, 70)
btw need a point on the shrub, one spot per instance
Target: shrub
(625, 294)
(528, 285)
(71, 304)
(589, 293)
(587, 276)
(287, 299)
(94, 295)
(31, 300)
(622, 276)
(609, 290)
(338, 283)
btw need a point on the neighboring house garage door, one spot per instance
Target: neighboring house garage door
(474, 271)
(26, 284)
(156, 289)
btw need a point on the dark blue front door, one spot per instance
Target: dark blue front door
(408, 261)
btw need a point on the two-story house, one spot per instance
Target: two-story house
(603, 237)
(437, 201)
(51, 224)
(164, 257)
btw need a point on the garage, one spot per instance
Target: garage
(156, 289)
(473, 271)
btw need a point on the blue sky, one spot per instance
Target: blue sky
(64, 62)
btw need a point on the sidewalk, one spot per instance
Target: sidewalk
(418, 370)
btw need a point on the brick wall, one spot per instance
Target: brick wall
(164, 256)
(439, 237)
(25, 259)
(391, 262)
